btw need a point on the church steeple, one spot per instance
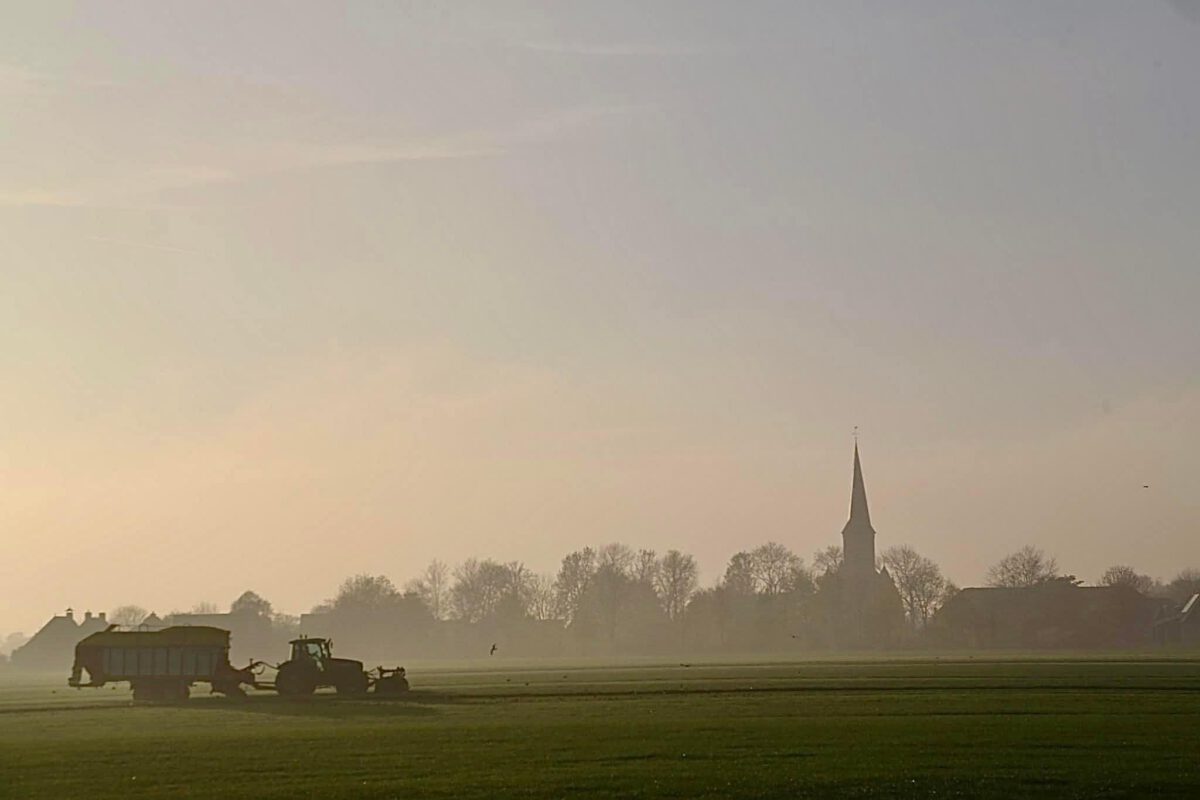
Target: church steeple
(868, 611)
(858, 537)
(858, 494)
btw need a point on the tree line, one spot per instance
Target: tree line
(614, 598)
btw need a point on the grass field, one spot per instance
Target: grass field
(964, 727)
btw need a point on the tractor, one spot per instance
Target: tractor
(312, 666)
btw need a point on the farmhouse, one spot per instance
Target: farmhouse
(1055, 614)
(1180, 627)
(53, 647)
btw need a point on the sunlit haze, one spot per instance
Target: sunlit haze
(290, 291)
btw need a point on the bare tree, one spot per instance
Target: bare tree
(770, 569)
(614, 605)
(574, 577)
(827, 561)
(478, 588)
(543, 600)
(433, 587)
(919, 581)
(739, 574)
(1029, 566)
(128, 615)
(519, 586)
(205, 607)
(645, 567)
(618, 557)
(1121, 575)
(676, 581)
(774, 568)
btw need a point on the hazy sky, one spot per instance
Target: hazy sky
(290, 291)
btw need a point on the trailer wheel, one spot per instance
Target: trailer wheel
(159, 691)
(145, 692)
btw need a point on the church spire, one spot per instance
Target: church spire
(858, 494)
(858, 537)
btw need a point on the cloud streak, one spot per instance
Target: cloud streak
(141, 185)
(616, 49)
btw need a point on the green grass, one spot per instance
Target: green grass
(1067, 727)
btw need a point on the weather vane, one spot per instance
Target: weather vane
(855, 434)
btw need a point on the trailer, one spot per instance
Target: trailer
(161, 665)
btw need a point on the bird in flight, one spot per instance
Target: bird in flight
(493, 651)
(1145, 486)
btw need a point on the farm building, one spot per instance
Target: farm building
(1056, 614)
(1180, 627)
(53, 647)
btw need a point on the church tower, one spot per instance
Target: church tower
(858, 537)
(862, 608)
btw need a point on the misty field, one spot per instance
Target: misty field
(871, 728)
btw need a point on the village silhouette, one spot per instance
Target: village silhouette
(614, 600)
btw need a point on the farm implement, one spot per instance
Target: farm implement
(163, 665)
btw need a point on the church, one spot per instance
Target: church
(862, 606)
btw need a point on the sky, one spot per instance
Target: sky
(294, 291)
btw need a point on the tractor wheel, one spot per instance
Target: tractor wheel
(354, 685)
(294, 681)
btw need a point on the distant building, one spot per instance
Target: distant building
(53, 647)
(860, 603)
(1055, 614)
(1180, 627)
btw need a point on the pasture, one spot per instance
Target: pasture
(949, 727)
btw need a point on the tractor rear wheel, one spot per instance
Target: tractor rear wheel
(354, 685)
(294, 681)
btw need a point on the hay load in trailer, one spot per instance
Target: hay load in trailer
(160, 665)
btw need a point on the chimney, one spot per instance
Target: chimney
(87, 616)
(102, 616)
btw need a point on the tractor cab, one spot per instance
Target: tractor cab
(317, 652)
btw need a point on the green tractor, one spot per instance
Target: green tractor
(312, 666)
